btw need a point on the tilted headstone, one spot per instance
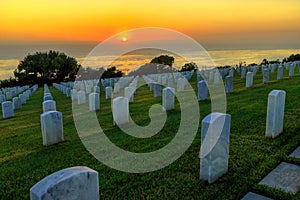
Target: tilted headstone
(81, 99)
(168, 99)
(17, 103)
(70, 183)
(129, 93)
(156, 90)
(120, 107)
(280, 72)
(228, 84)
(49, 105)
(94, 101)
(249, 79)
(52, 127)
(7, 109)
(275, 113)
(108, 92)
(214, 151)
(202, 90)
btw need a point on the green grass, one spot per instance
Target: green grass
(24, 160)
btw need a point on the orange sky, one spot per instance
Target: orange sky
(217, 20)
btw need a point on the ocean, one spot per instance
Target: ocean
(11, 54)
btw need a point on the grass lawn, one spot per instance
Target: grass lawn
(24, 160)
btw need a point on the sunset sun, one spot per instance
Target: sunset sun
(124, 39)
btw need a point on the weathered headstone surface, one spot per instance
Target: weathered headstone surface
(17, 103)
(214, 151)
(275, 113)
(280, 72)
(156, 90)
(49, 105)
(7, 109)
(94, 101)
(81, 99)
(120, 107)
(129, 93)
(253, 196)
(285, 176)
(228, 84)
(296, 153)
(52, 127)
(108, 92)
(168, 100)
(202, 90)
(265, 75)
(70, 183)
(249, 79)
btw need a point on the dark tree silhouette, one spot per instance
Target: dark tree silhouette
(163, 59)
(189, 67)
(46, 67)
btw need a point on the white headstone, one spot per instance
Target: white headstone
(129, 93)
(249, 79)
(81, 97)
(17, 103)
(74, 94)
(94, 101)
(49, 105)
(108, 92)
(180, 84)
(214, 151)
(7, 109)
(275, 113)
(168, 99)
(52, 127)
(48, 97)
(71, 183)
(120, 107)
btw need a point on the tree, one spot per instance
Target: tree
(189, 67)
(163, 59)
(291, 58)
(112, 72)
(46, 67)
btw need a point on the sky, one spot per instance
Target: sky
(220, 22)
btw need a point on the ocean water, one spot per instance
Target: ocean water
(10, 55)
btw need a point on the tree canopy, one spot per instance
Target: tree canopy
(189, 67)
(163, 59)
(46, 67)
